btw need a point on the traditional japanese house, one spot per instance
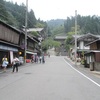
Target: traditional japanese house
(9, 41)
(40, 32)
(12, 42)
(39, 36)
(30, 48)
(93, 56)
(82, 40)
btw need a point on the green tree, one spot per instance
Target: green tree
(87, 24)
(3, 11)
(49, 43)
(17, 11)
(34, 33)
(31, 19)
(56, 44)
(58, 30)
(68, 42)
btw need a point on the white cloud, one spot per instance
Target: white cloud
(52, 9)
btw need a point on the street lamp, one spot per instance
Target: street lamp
(26, 30)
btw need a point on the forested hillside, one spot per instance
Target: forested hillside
(14, 15)
(85, 24)
(56, 26)
(55, 23)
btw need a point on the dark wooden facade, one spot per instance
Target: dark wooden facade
(31, 44)
(82, 41)
(9, 41)
(9, 34)
(94, 55)
(12, 42)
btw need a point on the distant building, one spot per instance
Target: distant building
(82, 40)
(61, 38)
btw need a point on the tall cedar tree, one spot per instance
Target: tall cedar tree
(3, 11)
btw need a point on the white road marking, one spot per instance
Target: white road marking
(83, 74)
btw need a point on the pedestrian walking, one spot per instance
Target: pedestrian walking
(40, 58)
(37, 58)
(4, 63)
(43, 61)
(15, 64)
(48, 54)
(32, 58)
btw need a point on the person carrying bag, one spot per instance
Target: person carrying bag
(15, 64)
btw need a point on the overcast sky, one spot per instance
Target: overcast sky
(61, 9)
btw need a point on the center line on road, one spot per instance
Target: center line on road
(83, 74)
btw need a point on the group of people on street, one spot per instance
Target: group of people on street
(15, 63)
(41, 59)
(36, 59)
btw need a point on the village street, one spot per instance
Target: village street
(57, 79)
(29, 34)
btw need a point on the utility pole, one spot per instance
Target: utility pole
(76, 37)
(26, 30)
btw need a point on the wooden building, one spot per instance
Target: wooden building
(82, 40)
(12, 42)
(9, 41)
(93, 56)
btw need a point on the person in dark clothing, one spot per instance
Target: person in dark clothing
(15, 64)
(43, 61)
(35, 58)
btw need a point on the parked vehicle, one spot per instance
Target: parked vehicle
(21, 60)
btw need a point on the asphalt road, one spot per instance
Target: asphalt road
(54, 80)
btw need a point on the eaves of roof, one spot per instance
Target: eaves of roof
(92, 42)
(88, 35)
(11, 27)
(4, 42)
(32, 39)
(92, 51)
